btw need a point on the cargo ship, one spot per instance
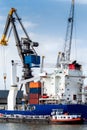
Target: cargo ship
(62, 89)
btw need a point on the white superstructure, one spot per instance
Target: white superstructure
(64, 85)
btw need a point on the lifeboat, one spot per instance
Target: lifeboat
(45, 96)
(61, 118)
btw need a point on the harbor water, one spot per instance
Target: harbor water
(21, 126)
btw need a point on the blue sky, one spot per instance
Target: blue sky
(45, 22)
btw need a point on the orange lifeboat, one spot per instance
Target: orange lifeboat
(45, 96)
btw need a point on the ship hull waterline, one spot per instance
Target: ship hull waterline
(46, 109)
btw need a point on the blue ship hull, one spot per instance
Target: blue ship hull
(47, 109)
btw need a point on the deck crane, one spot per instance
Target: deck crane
(65, 56)
(25, 47)
(68, 39)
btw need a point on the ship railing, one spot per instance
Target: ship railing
(27, 116)
(37, 117)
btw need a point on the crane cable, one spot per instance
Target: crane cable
(4, 61)
(4, 65)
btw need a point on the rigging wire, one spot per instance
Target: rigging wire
(4, 60)
(4, 65)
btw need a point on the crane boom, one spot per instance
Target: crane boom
(69, 32)
(3, 39)
(64, 57)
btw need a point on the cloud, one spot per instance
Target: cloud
(82, 1)
(29, 24)
(2, 18)
(48, 46)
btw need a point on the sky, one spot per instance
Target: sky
(45, 21)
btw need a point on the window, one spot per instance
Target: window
(55, 117)
(62, 94)
(68, 117)
(74, 97)
(67, 98)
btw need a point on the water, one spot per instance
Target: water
(17, 126)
